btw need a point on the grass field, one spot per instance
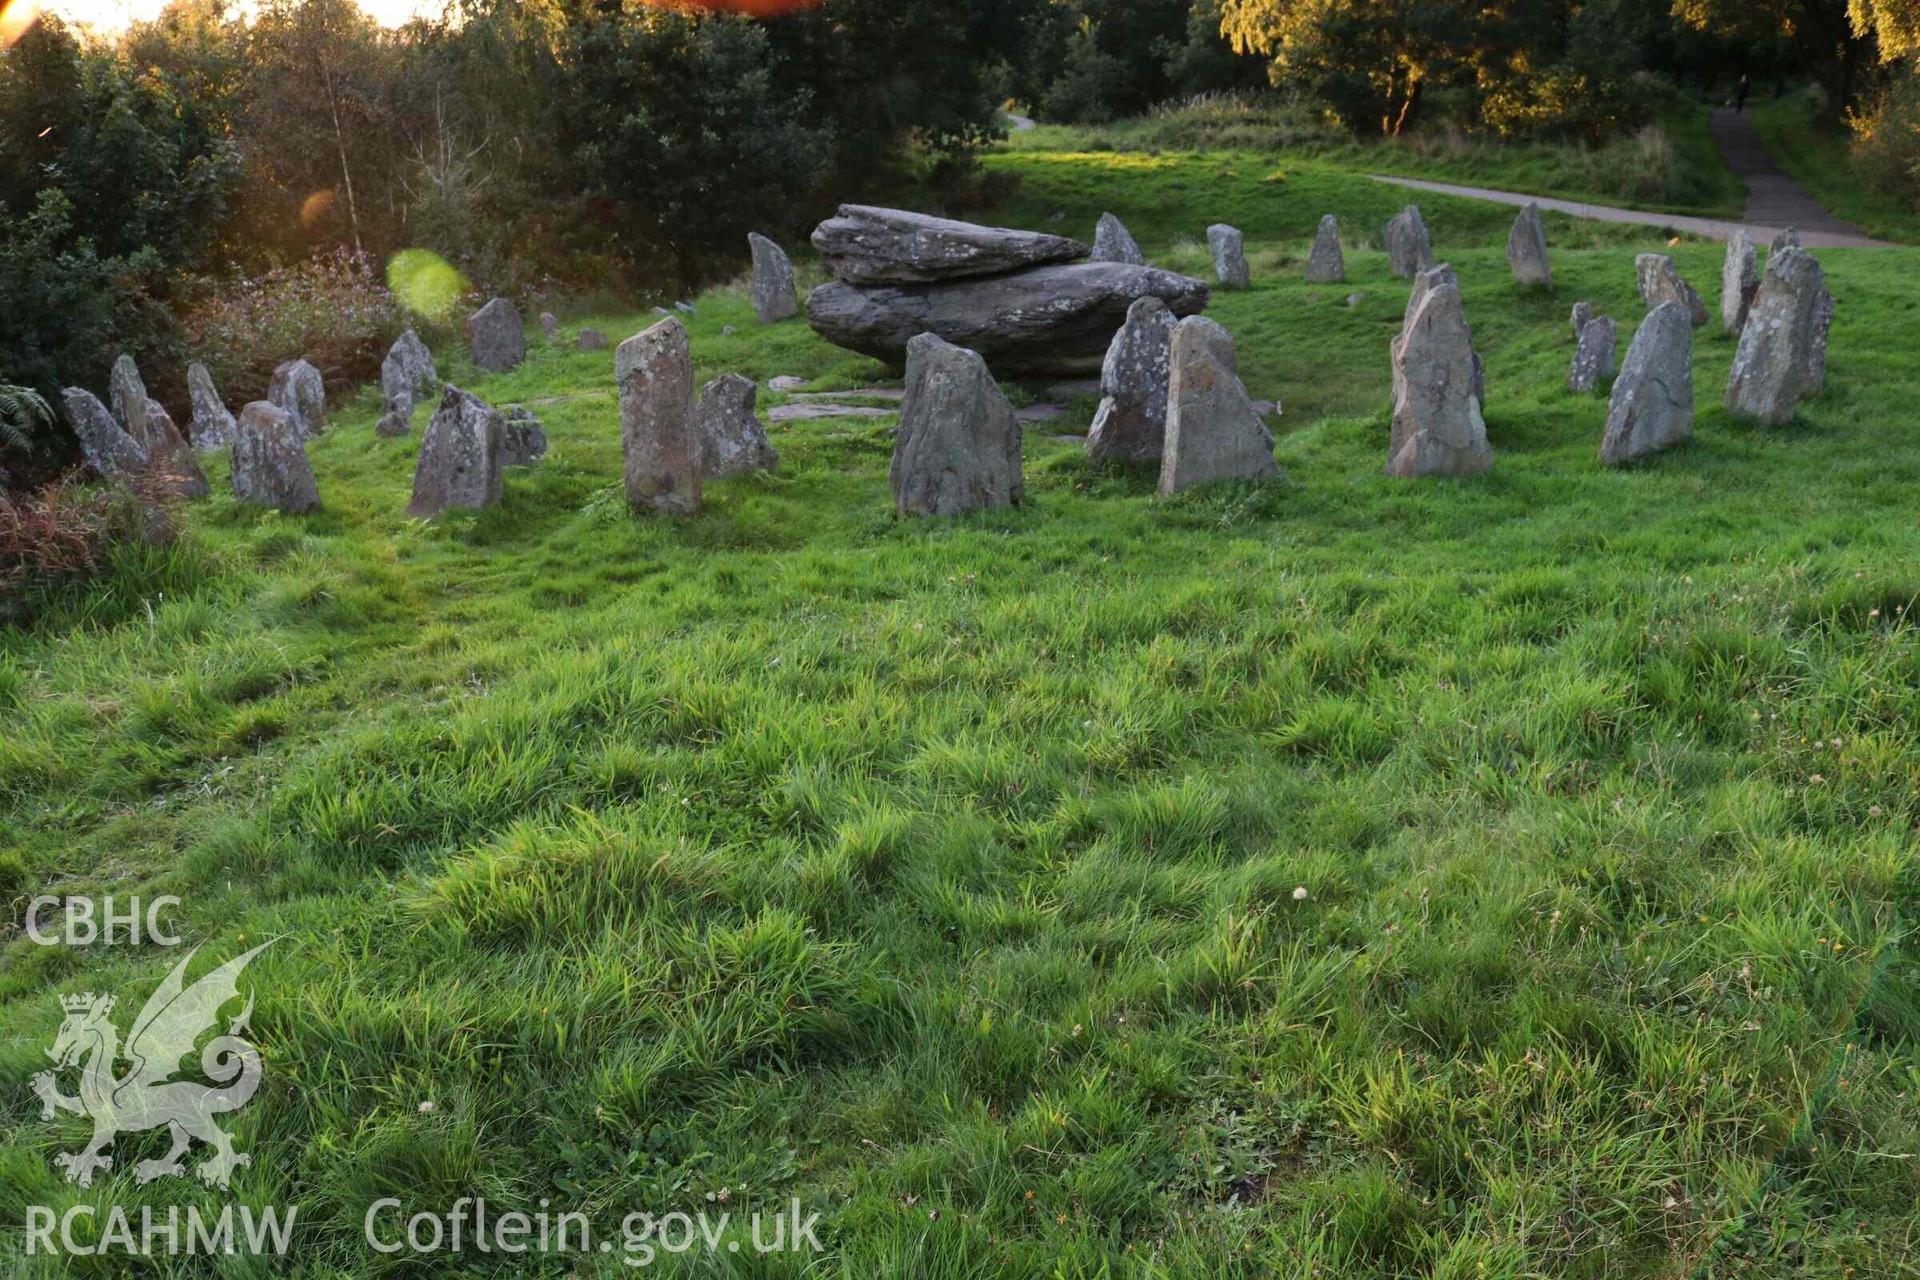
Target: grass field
(1339, 877)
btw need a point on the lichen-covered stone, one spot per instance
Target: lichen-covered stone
(270, 467)
(298, 388)
(460, 456)
(1437, 424)
(1527, 249)
(1739, 281)
(108, 449)
(1229, 251)
(1651, 407)
(1131, 423)
(1660, 281)
(863, 244)
(1327, 264)
(660, 452)
(1112, 242)
(1213, 431)
(1409, 247)
(732, 439)
(211, 427)
(497, 336)
(1782, 356)
(1593, 357)
(958, 446)
(774, 298)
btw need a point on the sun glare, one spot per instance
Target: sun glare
(117, 15)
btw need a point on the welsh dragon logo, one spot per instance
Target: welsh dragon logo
(147, 1096)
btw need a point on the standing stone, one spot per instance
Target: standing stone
(1424, 282)
(1131, 423)
(396, 421)
(128, 396)
(661, 468)
(407, 375)
(1652, 402)
(1229, 251)
(459, 464)
(1326, 264)
(1661, 282)
(1582, 312)
(523, 441)
(108, 449)
(169, 454)
(550, 326)
(1527, 249)
(1409, 247)
(1739, 281)
(497, 336)
(958, 446)
(1213, 430)
(1593, 358)
(1112, 242)
(1781, 358)
(270, 467)
(774, 298)
(731, 440)
(211, 427)
(1438, 429)
(592, 340)
(1788, 239)
(297, 387)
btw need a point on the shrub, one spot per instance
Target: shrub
(68, 530)
(334, 309)
(1886, 137)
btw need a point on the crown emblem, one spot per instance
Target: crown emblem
(85, 1002)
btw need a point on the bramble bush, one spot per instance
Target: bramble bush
(334, 309)
(70, 529)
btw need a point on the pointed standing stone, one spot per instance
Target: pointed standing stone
(298, 388)
(774, 299)
(958, 446)
(109, 450)
(523, 441)
(407, 376)
(1660, 281)
(1409, 247)
(1131, 423)
(1213, 431)
(1326, 264)
(732, 440)
(1652, 402)
(128, 396)
(1788, 239)
(169, 454)
(1437, 424)
(1112, 242)
(212, 426)
(1593, 358)
(1739, 281)
(661, 467)
(1425, 281)
(1527, 249)
(1582, 312)
(1781, 359)
(497, 336)
(1229, 251)
(270, 467)
(550, 326)
(459, 463)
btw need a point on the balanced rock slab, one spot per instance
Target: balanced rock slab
(497, 336)
(298, 388)
(1229, 250)
(1438, 429)
(1409, 247)
(1739, 281)
(460, 456)
(1112, 242)
(958, 445)
(732, 439)
(1651, 406)
(1213, 431)
(1593, 357)
(660, 452)
(774, 299)
(1131, 423)
(1326, 264)
(270, 467)
(1050, 320)
(108, 449)
(1782, 356)
(1527, 249)
(211, 427)
(1660, 281)
(865, 244)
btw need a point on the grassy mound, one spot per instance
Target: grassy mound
(1340, 876)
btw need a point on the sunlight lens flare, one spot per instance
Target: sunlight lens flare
(15, 17)
(426, 283)
(746, 8)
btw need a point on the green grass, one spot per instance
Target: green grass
(1340, 876)
(1671, 167)
(1819, 156)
